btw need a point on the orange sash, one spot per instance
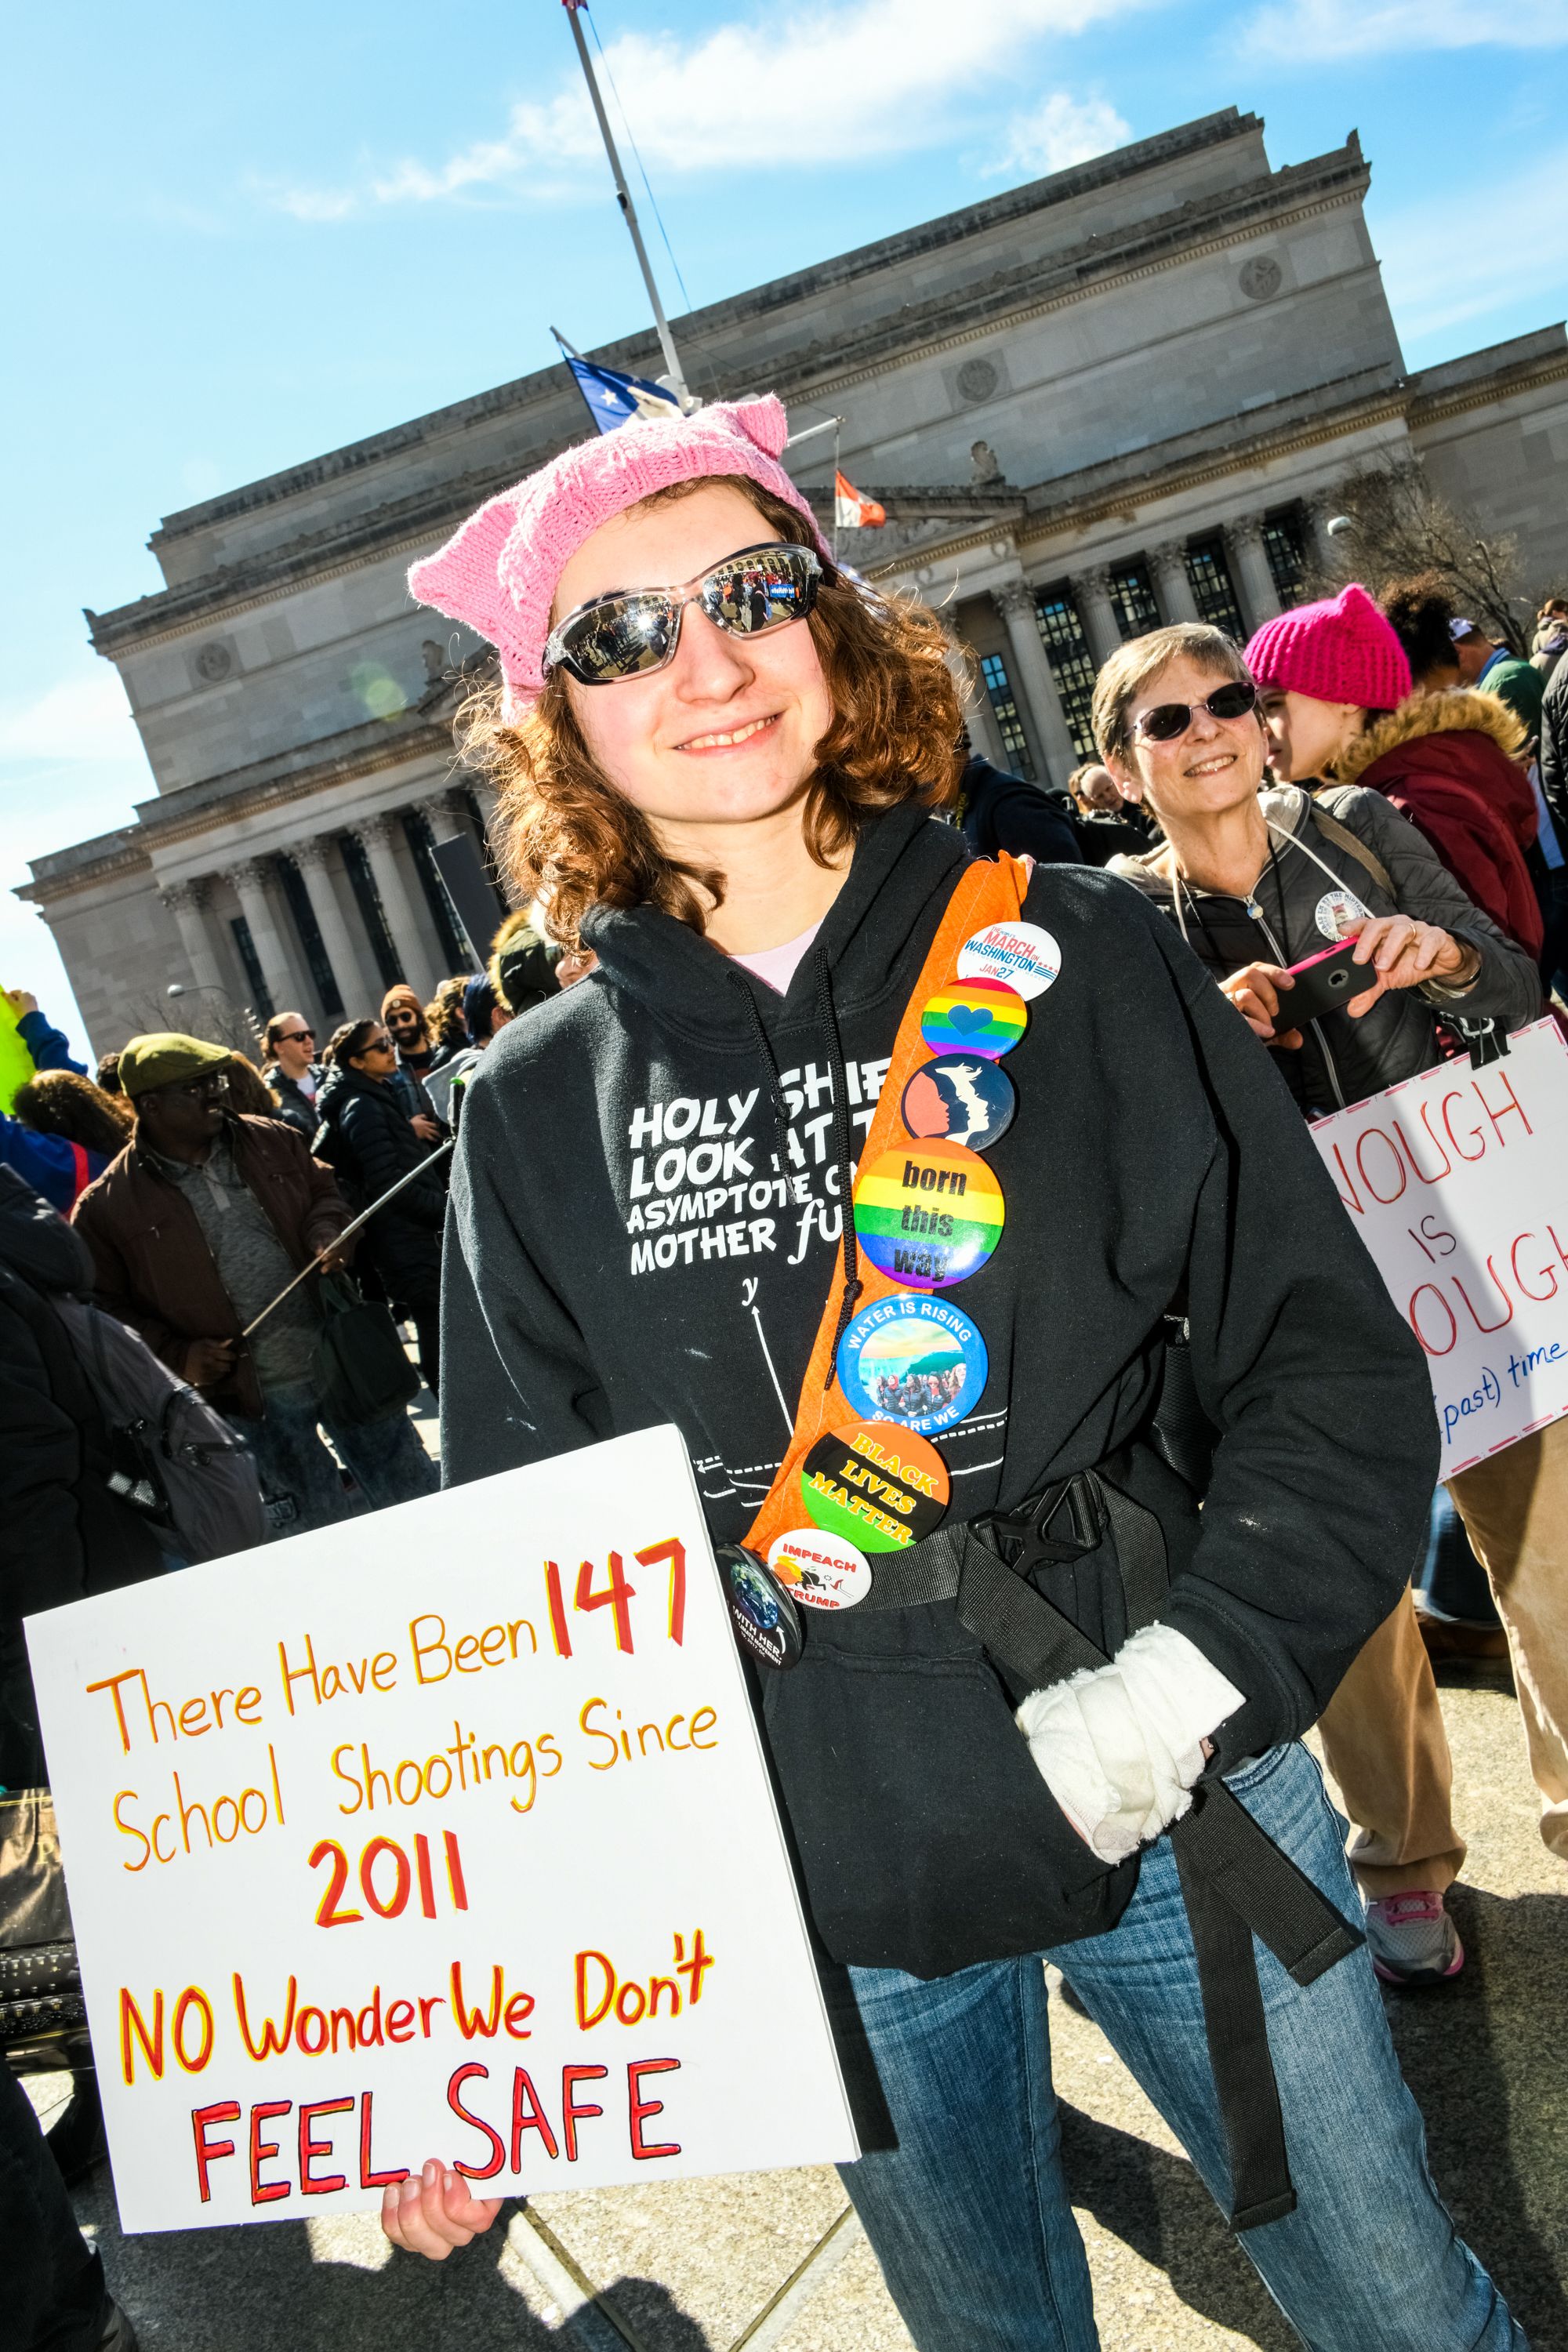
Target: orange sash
(990, 891)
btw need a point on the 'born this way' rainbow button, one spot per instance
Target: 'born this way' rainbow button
(980, 1016)
(928, 1214)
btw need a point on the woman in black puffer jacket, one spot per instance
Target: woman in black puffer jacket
(371, 1143)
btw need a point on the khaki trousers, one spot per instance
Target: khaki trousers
(1383, 1739)
(1515, 1509)
(1382, 1730)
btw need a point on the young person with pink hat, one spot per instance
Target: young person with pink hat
(1065, 1721)
(1341, 707)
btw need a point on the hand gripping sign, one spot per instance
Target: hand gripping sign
(445, 1832)
(1455, 1181)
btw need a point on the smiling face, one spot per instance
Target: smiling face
(1217, 764)
(726, 733)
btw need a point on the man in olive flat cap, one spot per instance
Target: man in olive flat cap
(199, 1223)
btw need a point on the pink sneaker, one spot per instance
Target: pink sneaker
(1412, 1939)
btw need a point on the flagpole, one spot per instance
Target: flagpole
(624, 197)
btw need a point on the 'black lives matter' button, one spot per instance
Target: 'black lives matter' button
(880, 1486)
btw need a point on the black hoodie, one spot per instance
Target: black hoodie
(625, 1249)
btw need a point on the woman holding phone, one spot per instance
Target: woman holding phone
(719, 758)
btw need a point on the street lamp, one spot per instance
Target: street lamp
(178, 988)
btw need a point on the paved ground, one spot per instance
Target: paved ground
(720, 2263)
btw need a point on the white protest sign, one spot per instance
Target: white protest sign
(445, 1832)
(1458, 1182)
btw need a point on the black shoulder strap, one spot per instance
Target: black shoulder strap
(1343, 839)
(1236, 1881)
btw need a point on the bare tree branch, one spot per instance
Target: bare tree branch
(1401, 526)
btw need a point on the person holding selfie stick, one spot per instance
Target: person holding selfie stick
(1259, 881)
(1044, 1706)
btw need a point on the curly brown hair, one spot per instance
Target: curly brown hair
(443, 1014)
(565, 833)
(62, 1102)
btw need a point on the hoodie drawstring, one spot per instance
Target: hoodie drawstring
(827, 1025)
(764, 1043)
(827, 1020)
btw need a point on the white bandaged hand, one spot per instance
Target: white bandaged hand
(1119, 1746)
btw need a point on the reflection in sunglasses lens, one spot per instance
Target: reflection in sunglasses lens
(621, 637)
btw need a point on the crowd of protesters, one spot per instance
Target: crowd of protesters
(1371, 765)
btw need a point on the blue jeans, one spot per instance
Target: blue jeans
(970, 2215)
(385, 1457)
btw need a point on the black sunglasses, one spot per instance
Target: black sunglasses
(635, 630)
(1167, 721)
(292, 1036)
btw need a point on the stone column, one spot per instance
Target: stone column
(487, 799)
(1036, 689)
(357, 985)
(187, 902)
(1092, 594)
(379, 834)
(249, 879)
(1168, 561)
(1249, 570)
(981, 721)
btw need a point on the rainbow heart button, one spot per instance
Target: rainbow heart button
(978, 1017)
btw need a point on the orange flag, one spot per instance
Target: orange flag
(851, 511)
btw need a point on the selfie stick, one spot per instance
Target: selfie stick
(362, 1218)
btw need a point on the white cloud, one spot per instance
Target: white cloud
(76, 719)
(1302, 32)
(1062, 132)
(1459, 254)
(843, 79)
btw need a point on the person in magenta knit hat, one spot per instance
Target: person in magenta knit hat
(720, 762)
(1341, 707)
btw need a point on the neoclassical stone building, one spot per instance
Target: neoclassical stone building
(1121, 395)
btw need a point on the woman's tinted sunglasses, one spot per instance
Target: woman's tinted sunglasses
(1167, 721)
(635, 630)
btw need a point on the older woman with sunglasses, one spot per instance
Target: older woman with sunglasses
(1259, 880)
(719, 759)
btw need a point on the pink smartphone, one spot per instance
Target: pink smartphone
(1325, 982)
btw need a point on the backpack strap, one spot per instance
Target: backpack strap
(1343, 839)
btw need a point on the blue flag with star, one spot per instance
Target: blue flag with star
(615, 399)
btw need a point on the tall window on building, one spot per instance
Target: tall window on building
(437, 898)
(1132, 596)
(1072, 664)
(1285, 544)
(373, 914)
(1211, 591)
(261, 1003)
(311, 939)
(1004, 711)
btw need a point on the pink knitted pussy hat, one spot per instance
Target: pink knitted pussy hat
(1338, 651)
(498, 572)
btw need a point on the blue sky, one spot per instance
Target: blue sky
(241, 237)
